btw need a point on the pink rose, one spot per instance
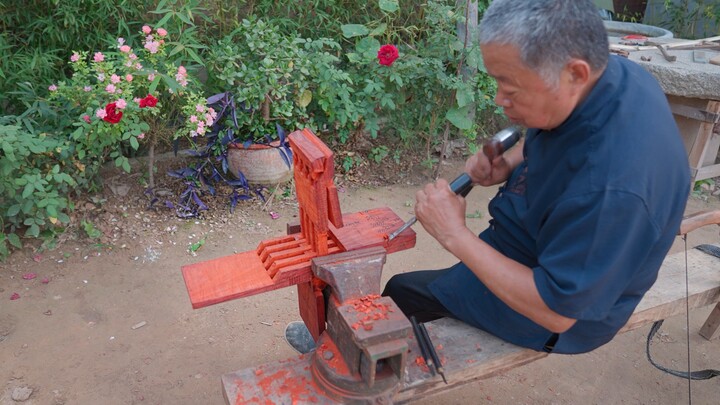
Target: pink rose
(98, 57)
(87, 88)
(121, 41)
(124, 49)
(146, 30)
(161, 32)
(75, 57)
(128, 78)
(152, 46)
(110, 88)
(52, 87)
(100, 113)
(121, 103)
(141, 136)
(86, 118)
(115, 79)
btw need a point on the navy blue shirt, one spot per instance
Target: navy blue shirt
(592, 210)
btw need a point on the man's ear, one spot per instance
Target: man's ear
(579, 72)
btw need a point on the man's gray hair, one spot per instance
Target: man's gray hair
(548, 33)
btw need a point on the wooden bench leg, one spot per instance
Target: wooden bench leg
(712, 325)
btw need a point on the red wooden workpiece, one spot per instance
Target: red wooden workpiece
(285, 261)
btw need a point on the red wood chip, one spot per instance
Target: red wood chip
(29, 276)
(15, 296)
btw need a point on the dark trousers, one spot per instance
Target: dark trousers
(411, 293)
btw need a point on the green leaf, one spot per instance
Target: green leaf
(305, 98)
(197, 245)
(134, 143)
(154, 84)
(33, 231)
(475, 60)
(13, 210)
(379, 30)
(389, 6)
(194, 56)
(464, 97)
(28, 190)
(368, 47)
(14, 240)
(354, 30)
(459, 118)
(177, 49)
(126, 166)
(164, 19)
(77, 134)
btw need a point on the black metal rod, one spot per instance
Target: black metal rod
(422, 344)
(433, 353)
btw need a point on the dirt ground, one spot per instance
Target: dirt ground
(111, 322)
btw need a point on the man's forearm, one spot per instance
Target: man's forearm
(509, 280)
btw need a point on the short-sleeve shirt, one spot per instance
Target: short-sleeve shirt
(592, 210)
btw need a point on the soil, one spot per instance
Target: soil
(108, 320)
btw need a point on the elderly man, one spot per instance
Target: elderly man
(591, 202)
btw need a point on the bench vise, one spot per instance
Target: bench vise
(359, 359)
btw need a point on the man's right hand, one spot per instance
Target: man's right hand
(484, 172)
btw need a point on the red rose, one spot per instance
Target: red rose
(387, 55)
(148, 101)
(112, 115)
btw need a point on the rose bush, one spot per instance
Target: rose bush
(122, 97)
(419, 97)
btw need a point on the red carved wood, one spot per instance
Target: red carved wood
(285, 261)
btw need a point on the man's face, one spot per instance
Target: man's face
(525, 98)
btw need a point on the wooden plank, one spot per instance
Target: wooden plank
(312, 308)
(371, 228)
(710, 329)
(225, 278)
(468, 354)
(666, 298)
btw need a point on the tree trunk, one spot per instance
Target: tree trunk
(151, 164)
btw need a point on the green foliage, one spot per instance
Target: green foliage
(57, 139)
(414, 97)
(90, 230)
(36, 34)
(272, 75)
(36, 175)
(687, 17)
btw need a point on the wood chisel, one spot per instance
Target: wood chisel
(496, 146)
